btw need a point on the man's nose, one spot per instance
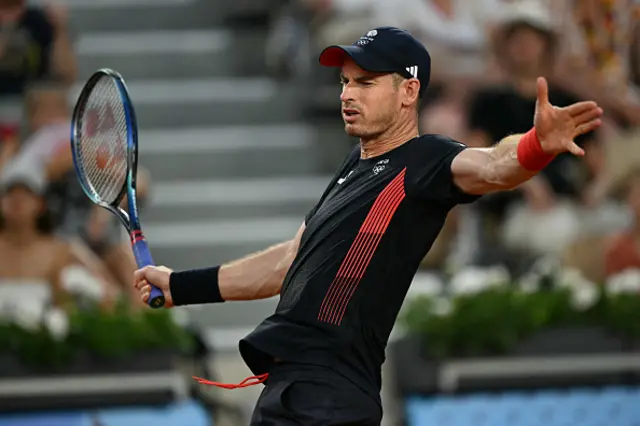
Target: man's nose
(347, 94)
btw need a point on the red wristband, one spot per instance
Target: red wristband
(530, 154)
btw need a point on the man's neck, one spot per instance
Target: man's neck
(387, 142)
(525, 85)
(22, 236)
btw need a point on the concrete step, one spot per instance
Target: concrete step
(172, 54)
(199, 255)
(199, 243)
(141, 15)
(230, 151)
(231, 164)
(236, 315)
(254, 11)
(225, 212)
(234, 199)
(215, 101)
(208, 233)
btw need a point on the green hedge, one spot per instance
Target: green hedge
(491, 319)
(52, 338)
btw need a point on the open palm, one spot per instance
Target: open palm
(557, 127)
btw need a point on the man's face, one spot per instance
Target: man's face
(20, 205)
(526, 48)
(370, 102)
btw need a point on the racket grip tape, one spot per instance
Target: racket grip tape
(143, 258)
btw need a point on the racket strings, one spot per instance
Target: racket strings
(103, 141)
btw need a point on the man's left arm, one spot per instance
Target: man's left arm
(517, 158)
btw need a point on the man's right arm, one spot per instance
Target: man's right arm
(259, 275)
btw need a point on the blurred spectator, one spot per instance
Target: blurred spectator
(623, 249)
(524, 46)
(47, 128)
(453, 30)
(8, 140)
(609, 163)
(635, 55)
(601, 46)
(28, 249)
(34, 43)
(443, 114)
(287, 49)
(97, 237)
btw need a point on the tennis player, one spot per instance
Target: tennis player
(343, 278)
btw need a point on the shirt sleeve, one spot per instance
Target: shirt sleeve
(349, 162)
(429, 177)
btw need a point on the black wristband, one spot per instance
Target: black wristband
(195, 286)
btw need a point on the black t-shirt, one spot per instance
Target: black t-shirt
(361, 248)
(26, 55)
(500, 111)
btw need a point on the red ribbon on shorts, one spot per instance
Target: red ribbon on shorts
(249, 381)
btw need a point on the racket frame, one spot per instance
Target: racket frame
(129, 219)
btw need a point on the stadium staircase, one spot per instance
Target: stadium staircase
(234, 167)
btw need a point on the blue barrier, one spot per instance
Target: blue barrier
(188, 413)
(619, 406)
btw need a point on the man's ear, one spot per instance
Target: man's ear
(411, 92)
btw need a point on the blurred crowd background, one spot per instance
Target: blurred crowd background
(240, 131)
(486, 57)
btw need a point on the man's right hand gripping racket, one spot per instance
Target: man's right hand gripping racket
(104, 142)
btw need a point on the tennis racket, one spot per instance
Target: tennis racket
(104, 142)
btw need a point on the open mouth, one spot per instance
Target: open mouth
(350, 114)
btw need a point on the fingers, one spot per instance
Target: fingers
(139, 276)
(543, 91)
(582, 107)
(145, 291)
(575, 149)
(587, 127)
(155, 274)
(588, 116)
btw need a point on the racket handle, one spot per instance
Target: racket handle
(143, 258)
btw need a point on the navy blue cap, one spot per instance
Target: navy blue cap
(384, 50)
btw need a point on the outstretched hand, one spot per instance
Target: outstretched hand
(557, 127)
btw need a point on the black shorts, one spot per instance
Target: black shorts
(300, 394)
